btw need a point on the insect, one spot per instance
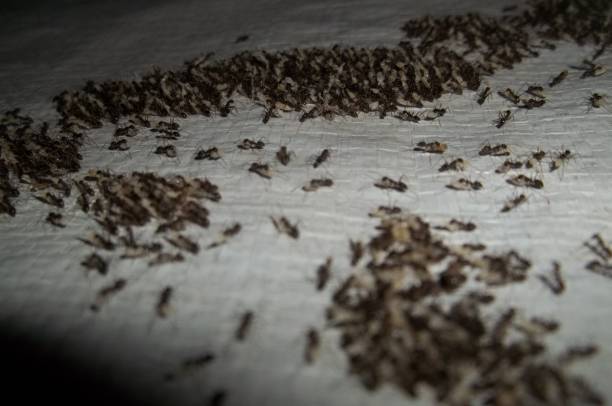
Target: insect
(283, 156)
(600, 268)
(283, 226)
(248, 144)
(262, 170)
(315, 184)
(599, 247)
(168, 150)
(95, 262)
(165, 258)
(227, 233)
(192, 364)
(536, 91)
(357, 251)
(513, 202)
(55, 219)
(323, 156)
(434, 147)
(464, 184)
(494, 150)
(390, 184)
(268, 114)
(226, 108)
(456, 225)
(407, 116)
(384, 211)
(313, 342)
(474, 247)
(183, 243)
(211, 154)
(554, 282)
(140, 251)
(482, 96)
(245, 325)
(242, 38)
(508, 165)
(458, 164)
(597, 100)
(509, 95)
(435, 113)
(531, 103)
(119, 145)
(593, 70)
(107, 292)
(561, 157)
(162, 309)
(558, 79)
(97, 241)
(50, 199)
(324, 273)
(502, 118)
(524, 181)
(577, 352)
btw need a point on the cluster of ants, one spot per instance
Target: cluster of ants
(407, 317)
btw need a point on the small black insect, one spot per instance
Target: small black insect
(245, 325)
(323, 156)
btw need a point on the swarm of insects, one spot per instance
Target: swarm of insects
(434, 147)
(390, 184)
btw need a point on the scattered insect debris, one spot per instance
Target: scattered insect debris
(210, 154)
(55, 219)
(323, 156)
(508, 165)
(525, 181)
(163, 307)
(313, 343)
(95, 262)
(502, 118)
(248, 144)
(167, 150)
(484, 95)
(390, 184)
(513, 203)
(315, 184)
(456, 225)
(495, 150)
(464, 184)
(107, 292)
(324, 273)
(458, 165)
(283, 226)
(283, 156)
(399, 293)
(558, 79)
(244, 327)
(434, 147)
(555, 281)
(262, 170)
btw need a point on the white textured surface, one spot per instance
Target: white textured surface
(44, 290)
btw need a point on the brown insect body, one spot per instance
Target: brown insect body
(390, 184)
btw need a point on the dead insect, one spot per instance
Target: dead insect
(435, 113)
(315, 184)
(97, 241)
(599, 247)
(390, 184)
(455, 165)
(482, 96)
(283, 155)
(524, 181)
(502, 118)
(508, 165)
(227, 233)
(168, 150)
(597, 100)
(119, 145)
(107, 292)
(247, 144)
(456, 225)
(555, 282)
(283, 226)
(323, 156)
(165, 258)
(407, 116)
(464, 184)
(50, 199)
(241, 38)
(262, 170)
(558, 161)
(324, 273)
(268, 114)
(494, 150)
(531, 103)
(434, 147)
(162, 309)
(513, 203)
(558, 79)
(509, 95)
(536, 91)
(183, 243)
(95, 262)
(593, 70)
(357, 251)
(313, 342)
(245, 325)
(384, 211)
(55, 219)
(211, 154)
